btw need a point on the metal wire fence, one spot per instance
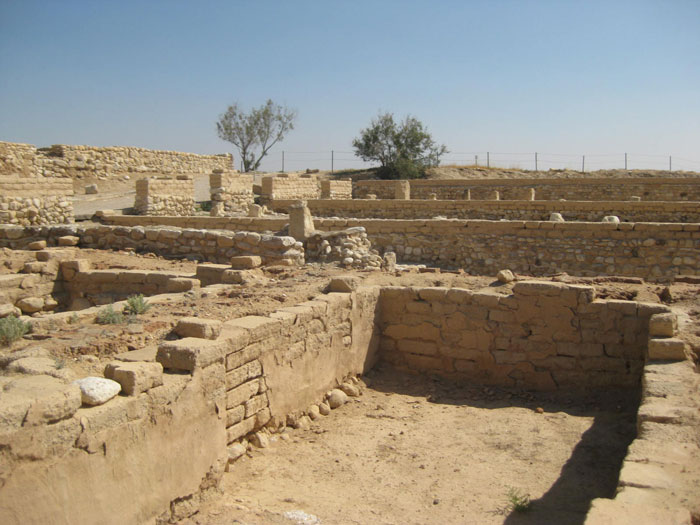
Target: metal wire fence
(340, 160)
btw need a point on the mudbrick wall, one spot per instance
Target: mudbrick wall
(231, 192)
(581, 189)
(657, 211)
(165, 196)
(35, 200)
(202, 245)
(158, 449)
(80, 161)
(336, 189)
(543, 336)
(289, 186)
(654, 251)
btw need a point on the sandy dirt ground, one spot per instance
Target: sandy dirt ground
(416, 450)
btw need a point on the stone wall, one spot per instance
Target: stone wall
(289, 186)
(654, 251)
(494, 210)
(35, 200)
(582, 189)
(213, 246)
(231, 192)
(336, 189)
(165, 196)
(17, 159)
(544, 336)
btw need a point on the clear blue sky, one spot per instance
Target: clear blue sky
(557, 77)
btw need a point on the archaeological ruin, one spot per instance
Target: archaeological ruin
(391, 341)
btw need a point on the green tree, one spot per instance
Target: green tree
(256, 132)
(404, 149)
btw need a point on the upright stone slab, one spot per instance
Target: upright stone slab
(402, 190)
(301, 224)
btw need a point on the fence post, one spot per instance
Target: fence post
(670, 164)
(476, 160)
(282, 161)
(332, 159)
(583, 164)
(625, 160)
(488, 160)
(535, 161)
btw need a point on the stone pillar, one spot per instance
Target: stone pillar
(531, 194)
(402, 190)
(467, 195)
(301, 224)
(497, 195)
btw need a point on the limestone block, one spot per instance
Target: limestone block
(258, 327)
(663, 325)
(196, 327)
(301, 224)
(337, 398)
(51, 399)
(190, 353)
(612, 218)
(245, 262)
(135, 377)
(70, 268)
(68, 240)
(37, 245)
(668, 349)
(97, 390)
(181, 284)
(345, 284)
(9, 309)
(505, 276)
(29, 305)
(556, 217)
(613, 512)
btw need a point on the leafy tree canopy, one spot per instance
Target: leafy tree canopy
(404, 149)
(254, 133)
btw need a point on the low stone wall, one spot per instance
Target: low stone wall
(249, 224)
(653, 251)
(336, 189)
(213, 246)
(544, 336)
(231, 193)
(581, 189)
(30, 201)
(493, 210)
(68, 161)
(165, 196)
(289, 186)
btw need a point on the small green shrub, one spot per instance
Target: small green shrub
(12, 328)
(518, 501)
(107, 315)
(74, 319)
(136, 305)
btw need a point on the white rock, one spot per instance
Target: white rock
(505, 276)
(324, 409)
(97, 390)
(314, 412)
(556, 217)
(350, 390)
(612, 218)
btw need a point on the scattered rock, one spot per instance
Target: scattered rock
(91, 189)
(324, 409)
(556, 217)
(8, 309)
(260, 440)
(68, 240)
(666, 296)
(337, 398)
(29, 305)
(612, 218)
(350, 389)
(314, 412)
(505, 276)
(345, 284)
(196, 327)
(303, 423)
(235, 451)
(37, 245)
(97, 390)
